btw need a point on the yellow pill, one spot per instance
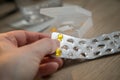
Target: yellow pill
(53, 29)
(60, 37)
(58, 52)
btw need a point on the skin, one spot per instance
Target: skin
(25, 55)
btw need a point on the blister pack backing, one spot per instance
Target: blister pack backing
(77, 48)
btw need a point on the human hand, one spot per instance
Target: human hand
(23, 55)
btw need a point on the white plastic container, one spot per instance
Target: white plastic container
(71, 20)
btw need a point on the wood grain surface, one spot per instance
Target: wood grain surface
(106, 19)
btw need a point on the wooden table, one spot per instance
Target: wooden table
(106, 19)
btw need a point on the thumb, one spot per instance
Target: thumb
(41, 48)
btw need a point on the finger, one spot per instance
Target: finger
(51, 59)
(48, 68)
(41, 48)
(25, 37)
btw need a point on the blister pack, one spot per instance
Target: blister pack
(76, 48)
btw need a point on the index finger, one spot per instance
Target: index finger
(25, 37)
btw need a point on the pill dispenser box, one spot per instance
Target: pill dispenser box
(71, 20)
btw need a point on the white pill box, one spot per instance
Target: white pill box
(71, 20)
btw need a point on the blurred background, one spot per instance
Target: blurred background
(4, 10)
(28, 11)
